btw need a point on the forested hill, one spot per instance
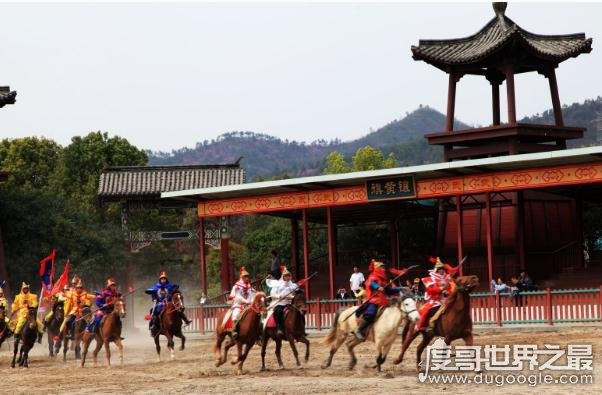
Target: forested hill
(267, 156)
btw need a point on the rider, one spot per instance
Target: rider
(438, 286)
(161, 293)
(283, 291)
(377, 289)
(24, 301)
(79, 298)
(61, 296)
(241, 296)
(104, 303)
(3, 301)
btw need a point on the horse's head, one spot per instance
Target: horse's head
(119, 307)
(177, 299)
(259, 302)
(59, 310)
(467, 283)
(408, 304)
(32, 315)
(299, 301)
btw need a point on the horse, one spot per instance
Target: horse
(5, 331)
(53, 327)
(29, 334)
(294, 330)
(383, 332)
(79, 326)
(109, 331)
(249, 330)
(454, 322)
(171, 324)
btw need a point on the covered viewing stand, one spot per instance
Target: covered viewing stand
(373, 195)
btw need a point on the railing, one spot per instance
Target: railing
(547, 307)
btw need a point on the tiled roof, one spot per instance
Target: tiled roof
(6, 96)
(147, 182)
(499, 33)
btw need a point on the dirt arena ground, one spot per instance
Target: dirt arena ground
(193, 370)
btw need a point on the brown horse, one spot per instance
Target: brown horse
(453, 323)
(79, 326)
(53, 328)
(171, 324)
(294, 330)
(110, 331)
(249, 330)
(28, 336)
(5, 331)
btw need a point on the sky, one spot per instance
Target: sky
(169, 75)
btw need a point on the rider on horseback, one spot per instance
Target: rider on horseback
(79, 298)
(377, 289)
(438, 286)
(24, 301)
(3, 301)
(242, 295)
(104, 303)
(283, 291)
(62, 296)
(161, 293)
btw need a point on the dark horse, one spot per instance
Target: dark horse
(453, 323)
(28, 336)
(55, 336)
(249, 330)
(79, 326)
(294, 330)
(171, 324)
(5, 331)
(109, 331)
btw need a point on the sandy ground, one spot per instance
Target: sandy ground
(193, 369)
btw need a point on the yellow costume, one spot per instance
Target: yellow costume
(4, 305)
(64, 297)
(78, 299)
(21, 305)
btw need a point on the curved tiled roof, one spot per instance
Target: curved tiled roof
(7, 96)
(147, 182)
(496, 35)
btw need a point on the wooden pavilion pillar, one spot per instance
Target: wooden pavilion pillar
(495, 102)
(332, 255)
(520, 229)
(551, 74)
(510, 93)
(460, 226)
(451, 102)
(488, 227)
(295, 247)
(306, 252)
(225, 267)
(202, 256)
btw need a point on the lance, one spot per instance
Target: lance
(105, 305)
(378, 291)
(301, 283)
(257, 281)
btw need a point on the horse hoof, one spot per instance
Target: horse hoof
(397, 361)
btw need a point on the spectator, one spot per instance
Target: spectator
(585, 255)
(525, 283)
(416, 287)
(356, 279)
(342, 294)
(500, 286)
(360, 293)
(515, 291)
(275, 266)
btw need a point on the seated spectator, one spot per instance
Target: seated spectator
(416, 287)
(525, 282)
(500, 286)
(342, 294)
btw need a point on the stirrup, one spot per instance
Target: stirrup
(358, 333)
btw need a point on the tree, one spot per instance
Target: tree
(369, 158)
(30, 161)
(336, 164)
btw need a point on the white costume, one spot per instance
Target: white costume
(242, 295)
(281, 289)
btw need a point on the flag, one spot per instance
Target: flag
(62, 281)
(47, 273)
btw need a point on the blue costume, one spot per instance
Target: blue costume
(161, 293)
(104, 304)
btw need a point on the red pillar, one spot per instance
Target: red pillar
(295, 247)
(306, 251)
(555, 98)
(331, 248)
(451, 102)
(225, 268)
(202, 256)
(460, 226)
(510, 95)
(488, 227)
(520, 229)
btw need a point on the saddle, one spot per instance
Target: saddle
(434, 314)
(271, 321)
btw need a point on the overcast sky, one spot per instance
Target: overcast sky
(167, 75)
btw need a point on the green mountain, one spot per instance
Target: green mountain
(266, 156)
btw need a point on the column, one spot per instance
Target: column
(510, 93)
(202, 256)
(451, 102)
(295, 247)
(555, 97)
(306, 251)
(331, 248)
(488, 226)
(460, 227)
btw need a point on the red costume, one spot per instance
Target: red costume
(437, 287)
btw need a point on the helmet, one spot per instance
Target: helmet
(24, 285)
(79, 284)
(437, 262)
(111, 281)
(163, 274)
(378, 264)
(66, 287)
(416, 280)
(75, 279)
(243, 272)
(284, 271)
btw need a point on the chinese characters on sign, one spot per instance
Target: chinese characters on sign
(391, 188)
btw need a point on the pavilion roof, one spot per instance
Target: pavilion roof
(498, 35)
(7, 96)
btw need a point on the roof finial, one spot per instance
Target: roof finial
(499, 7)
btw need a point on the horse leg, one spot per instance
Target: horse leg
(86, 342)
(238, 353)
(50, 343)
(16, 348)
(242, 358)
(181, 336)
(158, 347)
(425, 341)
(97, 348)
(107, 345)
(170, 345)
(227, 347)
(468, 339)
(351, 343)
(120, 347)
(21, 354)
(291, 341)
(406, 329)
(217, 348)
(264, 344)
(306, 342)
(65, 348)
(57, 345)
(405, 344)
(278, 349)
(333, 349)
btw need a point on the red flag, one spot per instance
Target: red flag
(47, 273)
(62, 281)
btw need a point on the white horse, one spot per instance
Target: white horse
(383, 332)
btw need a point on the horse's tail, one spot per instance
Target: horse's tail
(332, 334)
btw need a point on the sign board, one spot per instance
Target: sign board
(401, 187)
